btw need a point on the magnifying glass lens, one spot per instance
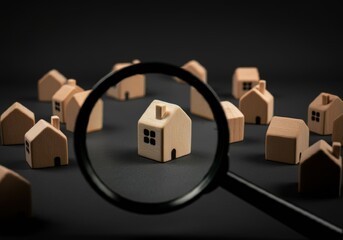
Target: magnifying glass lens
(141, 152)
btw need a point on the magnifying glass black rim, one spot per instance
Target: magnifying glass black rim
(210, 181)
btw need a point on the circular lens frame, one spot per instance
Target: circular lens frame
(210, 180)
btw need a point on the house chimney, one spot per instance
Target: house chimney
(71, 82)
(55, 122)
(325, 99)
(160, 111)
(135, 61)
(262, 86)
(336, 149)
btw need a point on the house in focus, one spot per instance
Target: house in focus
(164, 132)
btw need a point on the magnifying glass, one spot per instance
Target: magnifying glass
(217, 175)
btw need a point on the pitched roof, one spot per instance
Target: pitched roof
(149, 116)
(66, 90)
(231, 111)
(197, 69)
(287, 127)
(17, 107)
(119, 66)
(265, 95)
(317, 103)
(324, 147)
(247, 74)
(39, 127)
(55, 75)
(4, 172)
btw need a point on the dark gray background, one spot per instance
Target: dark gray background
(297, 49)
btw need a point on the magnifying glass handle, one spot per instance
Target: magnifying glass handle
(296, 218)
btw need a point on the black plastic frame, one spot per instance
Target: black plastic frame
(209, 181)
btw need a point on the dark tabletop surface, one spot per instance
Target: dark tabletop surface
(297, 49)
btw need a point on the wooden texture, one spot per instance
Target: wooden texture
(320, 169)
(14, 123)
(15, 195)
(235, 121)
(196, 69)
(257, 105)
(49, 84)
(62, 97)
(129, 88)
(198, 104)
(337, 133)
(46, 145)
(72, 110)
(244, 79)
(166, 138)
(286, 139)
(322, 111)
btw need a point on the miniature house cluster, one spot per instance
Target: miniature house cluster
(164, 131)
(67, 99)
(320, 165)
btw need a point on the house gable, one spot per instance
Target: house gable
(320, 170)
(49, 84)
(322, 112)
(14, 123)
(163, 127)
(73, 108)
(15, 192)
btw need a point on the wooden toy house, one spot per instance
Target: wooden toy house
(198, 104)
(46, 145)
(320, 169)
(72, 110)
(322, 111)
(164, 132)
(244, 79)
(257, 105)
(235, 121)
(337, 133)
(62, 97)
(49, 84)
(129, 88)
(14, 123)
(286, 139)
(196, 69)
(15, 195)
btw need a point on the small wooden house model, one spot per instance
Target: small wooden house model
(46, 145)
(15, 195)
(286, 139)
(244, 79)
(62, 97)
(235, 121)
(257, 105)
(164, 132)
(129, 88)
(196, 69)
(14, 123)
(95, 119)
(320, 169)
(198, 104)
(49, 84)
(322, 111)
(337, 133)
